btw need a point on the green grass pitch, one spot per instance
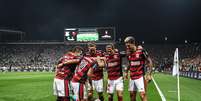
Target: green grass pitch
(190, 89)
(37, 86)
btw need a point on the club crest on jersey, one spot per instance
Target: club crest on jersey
(112, 64)
(135, 63)
(137, 55)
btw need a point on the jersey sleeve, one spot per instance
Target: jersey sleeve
(60, 60)
(145, 53)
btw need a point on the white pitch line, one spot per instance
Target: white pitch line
(159, 91)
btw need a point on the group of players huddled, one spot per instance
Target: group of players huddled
(79, 73)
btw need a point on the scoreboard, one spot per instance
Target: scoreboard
(96, 34)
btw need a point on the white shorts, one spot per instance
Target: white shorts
(137, 85)
(115, 85)
(79, 90)
(58, 87)
(62, 87)
(96, 85)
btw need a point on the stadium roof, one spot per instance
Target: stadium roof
(147, 20)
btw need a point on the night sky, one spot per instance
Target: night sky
(148, 20)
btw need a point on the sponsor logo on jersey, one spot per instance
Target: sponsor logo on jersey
(112, 64)
(135, 63)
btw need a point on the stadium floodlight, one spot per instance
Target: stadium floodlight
(142, 42)
(166, 38)
(185, 41)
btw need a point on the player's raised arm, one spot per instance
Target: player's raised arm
(72, 61)
(67, 62)
(59, 65)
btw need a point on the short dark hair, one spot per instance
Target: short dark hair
(110, 45)
(77, 49)
(91, 44)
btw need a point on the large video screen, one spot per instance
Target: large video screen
(87, 36)
(102, 34)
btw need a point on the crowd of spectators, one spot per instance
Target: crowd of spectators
(19, 57)
(191, 60)
(30, 57)
(163, 55)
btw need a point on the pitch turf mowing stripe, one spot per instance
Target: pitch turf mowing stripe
(152, 93)
(28, 89)
(190, 89)
(38, 87)
(160, 93)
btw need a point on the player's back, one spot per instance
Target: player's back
(66, 71)
(82, 69)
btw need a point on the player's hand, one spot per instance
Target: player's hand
(101, 63)
(60, 65)
(126, 76)
(148, 78)
(98, 58)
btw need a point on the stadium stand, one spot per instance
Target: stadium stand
(43, 57)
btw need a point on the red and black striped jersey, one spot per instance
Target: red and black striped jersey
(113, 68)
(82, 69)
(137, 62)
(97, 72)
(66, 71)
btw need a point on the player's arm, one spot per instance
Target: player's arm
(59, 65)
(90, 73)
(126, 69)
(149, 66)
(101, 61)
(116, 57)
(114, 60)
(148, 62)
(71, 61)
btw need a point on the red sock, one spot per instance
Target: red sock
(66, 99)
(120, 98)
(110, 98)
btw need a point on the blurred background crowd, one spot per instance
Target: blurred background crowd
(44, 57)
